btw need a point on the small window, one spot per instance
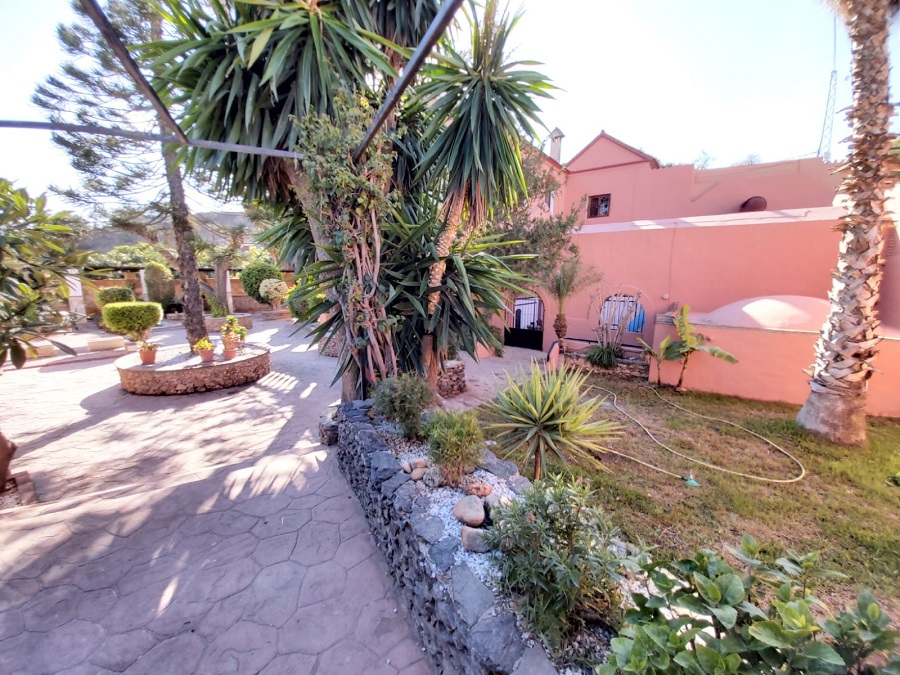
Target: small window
(598, 206)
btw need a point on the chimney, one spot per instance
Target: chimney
(556, 137)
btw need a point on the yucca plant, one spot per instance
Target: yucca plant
(546, 415)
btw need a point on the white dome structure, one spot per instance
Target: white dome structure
(774, 312)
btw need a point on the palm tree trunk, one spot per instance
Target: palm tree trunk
(836, 407)
(430, 362)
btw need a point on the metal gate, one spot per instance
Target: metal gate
(526, 324)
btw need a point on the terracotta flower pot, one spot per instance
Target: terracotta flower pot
(206, 355)
(148, 356)
(231, 343)
(229, 353)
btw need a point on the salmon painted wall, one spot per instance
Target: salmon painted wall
(703, 264)
(770, 367)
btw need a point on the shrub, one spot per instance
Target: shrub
(114, 294)
(295, 305)
(455, 439)
(403, 399)
(546, 417)
(604, 356)
(254, 274)
(273, 290)
(133, 319)
(558, 556)
(158, 278)
(758, 619)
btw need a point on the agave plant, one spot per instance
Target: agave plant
(546, 416)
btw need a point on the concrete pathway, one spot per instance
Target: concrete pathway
(196, 534)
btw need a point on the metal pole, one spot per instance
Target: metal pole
(438, 25)
(142, 136)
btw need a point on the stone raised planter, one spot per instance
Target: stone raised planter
(452, 380)
(463, 627)
(177, 371)
(214, 324)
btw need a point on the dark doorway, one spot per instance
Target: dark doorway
(526, 324)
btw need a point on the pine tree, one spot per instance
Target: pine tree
(125, 179)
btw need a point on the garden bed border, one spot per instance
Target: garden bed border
(462, 626)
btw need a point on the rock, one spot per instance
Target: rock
(429, 528)
(390, 486)
(534, 662)
(519, 484)
(443, 553)
(407, 468)
(496, 641)
(452, 379)
(417, 474)
(500, 468)
(478, 489)
(328, 430)
(470, 511)
(419, 464)
(433, 478)
(493, 500)
(472, 597)
(468, 470)
(473, 539)
(382, 465)
(404, 496)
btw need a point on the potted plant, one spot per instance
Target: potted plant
(205, 349)
(147, 351)
(233, 336)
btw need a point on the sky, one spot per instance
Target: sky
(676, 79)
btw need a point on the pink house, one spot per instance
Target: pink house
(749, 248)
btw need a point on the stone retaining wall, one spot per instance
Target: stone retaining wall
(175, 373)
(452, 380)
(462, 626)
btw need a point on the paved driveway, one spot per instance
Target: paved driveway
(195, 534)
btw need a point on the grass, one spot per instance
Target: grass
(844, 507)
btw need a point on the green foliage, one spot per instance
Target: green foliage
(604, 356)
(690, 341)
(126, 255)
(37, 250)
(558, 557)
(547, 417)
(497, 332)
(145, 346)
(667, 351)
(232, 330)
(254, 274)
(701, 615)
(216, 307)
(133, 319)
(112, 294)
(203, 345)
(160, 287)
(455, 442)
(403, 399)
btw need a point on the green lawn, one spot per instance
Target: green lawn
(842, 508)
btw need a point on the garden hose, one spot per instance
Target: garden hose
(689, 479)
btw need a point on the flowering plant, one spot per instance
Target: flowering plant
(273, 290)
(203, 345)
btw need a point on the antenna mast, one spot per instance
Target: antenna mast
(828, 122)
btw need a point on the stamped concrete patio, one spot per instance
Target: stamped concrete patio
(195, 534)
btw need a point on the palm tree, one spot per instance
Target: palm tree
(836, 406)
(569, 278)
(479, 103)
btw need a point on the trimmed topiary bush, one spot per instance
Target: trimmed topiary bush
(403, 399)
(114, 294)
(160, 287)
(254, 274)
(133, 319)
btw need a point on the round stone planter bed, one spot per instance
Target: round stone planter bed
(177, 371)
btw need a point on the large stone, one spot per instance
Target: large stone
(429, 528)
(443, 553)
(500, 468)
(469, 510)
(328, 430)
(519, 484)
(496, 641)
(534, 662)
(472, 597)
(417, 474)
(383, 465)
(473, 539)
(390, 486)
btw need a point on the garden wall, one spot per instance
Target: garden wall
(464, 629)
